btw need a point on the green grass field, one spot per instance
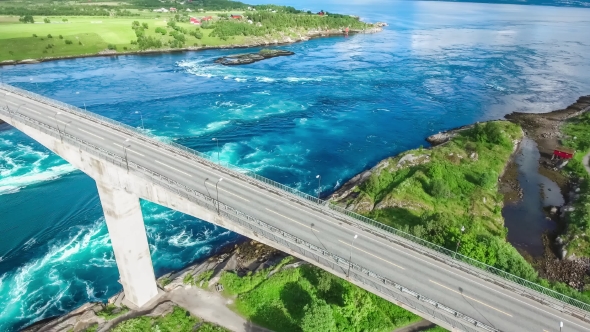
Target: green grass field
(89, 35)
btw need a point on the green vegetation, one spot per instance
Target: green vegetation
(455, 185)
(310, 299)
(179, 320)
(204, 277)
(577, 236)
(94, 27)
(449, 187)
(111, 311)
(165, 281)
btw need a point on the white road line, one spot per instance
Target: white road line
(8, 101)
(128, 149)
(277, 197)
(368, 253)
(295, 221)
(469, 297)
(90, 133)
(229, 192)
(443, 267)
(176, 169)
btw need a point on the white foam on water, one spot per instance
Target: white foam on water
(22, 166)
(238, 79)
(265, 79)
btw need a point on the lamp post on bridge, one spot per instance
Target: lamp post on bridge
(350, 258)
(459, 242)
(61, 135)
(319, 184)
(216, 190)
(56, 123)
(125, 147)
(217, 140)
(220, 179)
(141, 117)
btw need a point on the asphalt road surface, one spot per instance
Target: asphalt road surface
(479, 299)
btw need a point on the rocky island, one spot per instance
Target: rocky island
(248, 58)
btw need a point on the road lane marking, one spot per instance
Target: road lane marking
(8, 101)
(368, 253)
(442, 266)
(469, 297)
(278, 198)
(229, 192)
(174, 168)
(89, 133)
(128, 149)
(295, 221)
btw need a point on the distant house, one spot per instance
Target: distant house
(173, 10)
(161, 10)
(188, 10)
(195, 20)
(563, 153)
(321, 13)
(236, 17)
(206, 18)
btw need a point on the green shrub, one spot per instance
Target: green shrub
(112, 47)
(35, 35)
(61, 37)
(49, 36)
(68, 42)
(46, 20)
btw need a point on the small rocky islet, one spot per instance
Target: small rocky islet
(248, 58)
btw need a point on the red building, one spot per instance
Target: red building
(563, 153)
(195, 21)
(207, 18)
(236, 17)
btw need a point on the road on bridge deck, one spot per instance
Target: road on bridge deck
(479, 299)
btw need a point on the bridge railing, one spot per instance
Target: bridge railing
(500, 277)
(435, 311)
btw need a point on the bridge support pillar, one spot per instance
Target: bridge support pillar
(124, 220)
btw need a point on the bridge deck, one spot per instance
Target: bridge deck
(477, 298)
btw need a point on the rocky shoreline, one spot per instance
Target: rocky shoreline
(256, 42)
(177, 289)
(248, 58)
(544, 129)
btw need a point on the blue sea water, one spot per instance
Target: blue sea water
(335, 108)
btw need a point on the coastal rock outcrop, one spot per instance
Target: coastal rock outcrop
(248, 58)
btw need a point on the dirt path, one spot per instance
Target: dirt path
(586, 162)
(212, 307)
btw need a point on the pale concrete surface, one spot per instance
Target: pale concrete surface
(470, 295)
(211, 307)
(124, 220)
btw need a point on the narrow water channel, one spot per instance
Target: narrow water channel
(525, 219)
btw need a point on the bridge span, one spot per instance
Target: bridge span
(128, 164)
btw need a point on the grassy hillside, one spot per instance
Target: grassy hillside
(434, 193)
(577, 235)
(308, 299)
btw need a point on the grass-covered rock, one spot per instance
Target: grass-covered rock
(309, 299)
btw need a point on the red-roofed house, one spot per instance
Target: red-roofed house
(206, 18)
(172, 9)
(195, 20)
(236, 17)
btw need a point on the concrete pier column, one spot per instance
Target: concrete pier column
(124, 220)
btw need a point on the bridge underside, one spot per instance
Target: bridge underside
(119, 191)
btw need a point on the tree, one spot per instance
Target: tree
(144, 25)
(27, 19)
(64, 20)
(318, 317)
(46, 20)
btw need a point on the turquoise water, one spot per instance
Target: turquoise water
(335, 108)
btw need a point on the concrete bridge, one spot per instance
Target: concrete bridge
(421, 277)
